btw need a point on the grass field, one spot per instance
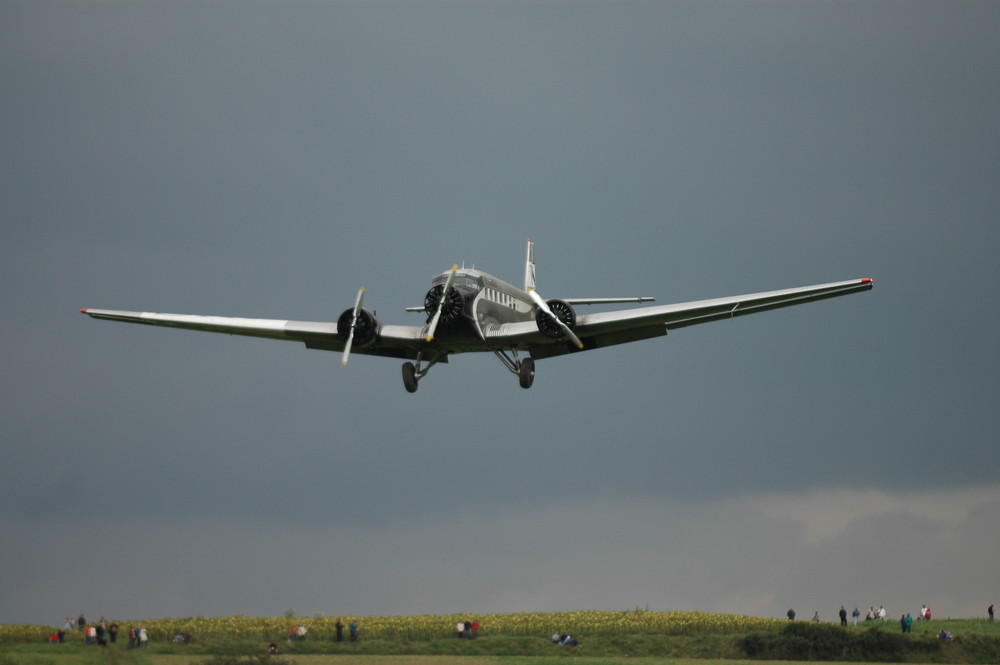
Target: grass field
(606, 638)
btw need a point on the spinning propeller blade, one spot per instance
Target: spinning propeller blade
(544, 307)
(354, 323)
(444, 294)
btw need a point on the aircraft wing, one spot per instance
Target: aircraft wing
(629, 325)
(394, 341)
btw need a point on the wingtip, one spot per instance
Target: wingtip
(84, 311)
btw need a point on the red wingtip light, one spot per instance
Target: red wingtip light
(867, 280)
(83, 311)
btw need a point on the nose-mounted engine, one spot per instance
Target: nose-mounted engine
(454, 303)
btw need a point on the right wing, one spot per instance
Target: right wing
(629, 325)
(392, 341)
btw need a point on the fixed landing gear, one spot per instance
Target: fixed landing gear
(524, 369)
(412, 373)
(526, 373)
(410, 377)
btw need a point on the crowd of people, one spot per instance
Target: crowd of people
(100, 633)
(879, 614)
(874, 614)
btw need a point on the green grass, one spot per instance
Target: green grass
(976, 642)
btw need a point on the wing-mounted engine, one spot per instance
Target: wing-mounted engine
(357, 324)
(559, 309)
(365, 327)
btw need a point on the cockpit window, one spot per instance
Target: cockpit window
(466, 281)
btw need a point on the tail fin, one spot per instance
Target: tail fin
(529, 267)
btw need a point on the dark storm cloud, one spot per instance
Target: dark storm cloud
(267, 160)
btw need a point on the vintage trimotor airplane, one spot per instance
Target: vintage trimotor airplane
(469, 310)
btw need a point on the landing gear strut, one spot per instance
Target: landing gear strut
(525, 369)
(412, 373)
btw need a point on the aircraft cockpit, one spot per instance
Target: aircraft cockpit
(467, 281)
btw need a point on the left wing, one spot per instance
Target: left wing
(393, 341)
(629, 325)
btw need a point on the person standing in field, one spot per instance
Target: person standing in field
(791, 614)
(843, 616)
(989, 610)
(856, 613)
(353, 630)
(475, 628)
(340, 630)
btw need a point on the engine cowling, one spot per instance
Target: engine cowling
(563, 311)
(365, 329)
(454, 303)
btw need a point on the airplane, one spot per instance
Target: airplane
(468, 310)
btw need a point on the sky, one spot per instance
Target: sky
(267, 159)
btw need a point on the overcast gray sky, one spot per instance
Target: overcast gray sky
(267, 159)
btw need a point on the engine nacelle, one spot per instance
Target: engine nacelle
(366, 328)
(563, 311)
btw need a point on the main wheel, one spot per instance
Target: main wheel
(410, 377)
(526, 373)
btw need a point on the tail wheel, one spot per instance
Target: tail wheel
(526, 373)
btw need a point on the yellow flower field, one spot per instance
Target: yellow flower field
(426, 627)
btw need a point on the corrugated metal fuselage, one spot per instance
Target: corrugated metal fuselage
(487, 300)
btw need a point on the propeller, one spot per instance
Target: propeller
(544, 307)
(432, 328)
(354, 323)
